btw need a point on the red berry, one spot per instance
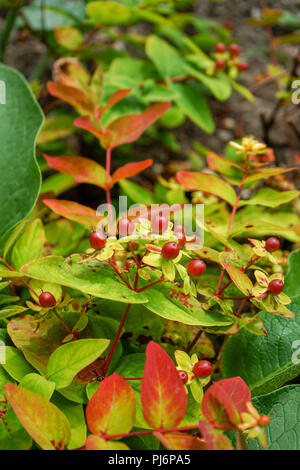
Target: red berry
(275, 287)
(243, 66)
(264, 420)
(159, 224)
(181, 238)
(272, 244)
(179, 229)
(47, 300)
(202, 369)
(220, 63)
(220, 47)
(125, 227)
(183, 375)
(170, 250)
(234, 49)
(97, 240)
(196, 268)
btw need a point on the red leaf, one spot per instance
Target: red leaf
(163, 396)
(180, 441)
(85, 123)
(71, 95)
(130, 169)
(74, 211)
(129, 128)
(113, 100)
(224, 402)
(97, 443)
(45, 423)
(208, 183)
(83, 170)
(111, 410)
(214, 439)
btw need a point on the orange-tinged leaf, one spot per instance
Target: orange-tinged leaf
(85, 123)
(74, 211)
(113, 100)
(130, 169)
(224, 402)
(163, 396)
(266, 173)
(111, 410)
(97, 443)
(208, 183)
(180, 441)
(71, 95)
(129, 128)
(83, 170)
(45, 423)
(214, 439)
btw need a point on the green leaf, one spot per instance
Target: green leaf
(283, 407)
(11, 310)
(242, 90)
(20, 121)
(165, 57)
(30, 245)
(137, 193)
(15, 363)
(71, 358)
(108, 13)
(38, 384)
(220, 86)
(265, 363)
(194, 105)
(291, 282)
(75, 415)
(46, 424)
(167, 301)
(270, 198)
(92, 278)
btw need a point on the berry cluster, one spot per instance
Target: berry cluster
(229, 57)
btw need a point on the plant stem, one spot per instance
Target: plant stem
(143, 433)
(121, 276)
(8, 27)
(23, 280)
(115, 341)
(242, 441)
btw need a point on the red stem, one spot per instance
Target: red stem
(115, 341)
(142, 433)
(23, 280)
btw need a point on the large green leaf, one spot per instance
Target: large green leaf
(169, 302)
(270, 198)
(71, 358)
(75, 415)
(292, 286)
(165, 57)
(20, 121)
(92, 278)
(108, 13)
(194, 105)
(265, 363)
(283, 407)
(30, 245)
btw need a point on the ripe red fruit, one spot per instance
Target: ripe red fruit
(264, 420)
(181, 238)
(275, 287)
(202, 369)
(220, 63)
(170, 250)
(220, 47)
(196, 268)
(183, 375)
(272, 244)
(234, 49)
(97, 240)
(159, 224)
(125, 227)
(47, 300)
(243, 66)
